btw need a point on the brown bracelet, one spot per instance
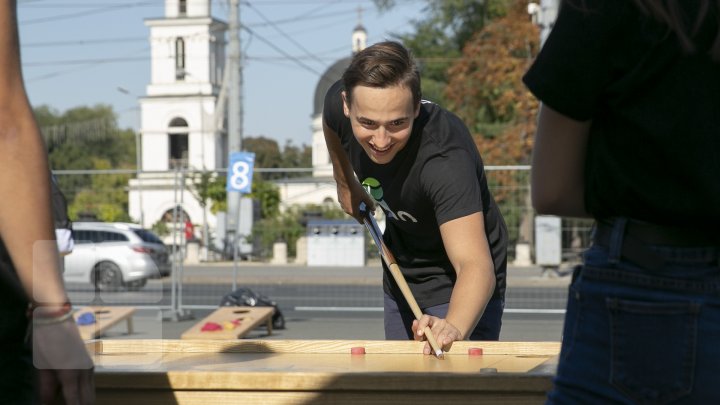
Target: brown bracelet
(65, 308)
(47, 320)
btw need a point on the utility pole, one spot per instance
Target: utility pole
(235, 116)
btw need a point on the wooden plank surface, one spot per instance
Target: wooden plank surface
(105, 318)
(277, 372)
(157, 397)
(248, 317)
(306, 364)
(313, 346)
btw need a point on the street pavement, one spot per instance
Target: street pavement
(533, 312)
(371, 274)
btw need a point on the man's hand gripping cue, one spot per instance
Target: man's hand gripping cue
(445, 332)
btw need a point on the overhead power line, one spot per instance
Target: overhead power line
(300, 18)
(286, 36)
(82, 13)
(73, 42)
(40, 4)
(85, 61)
(87, 65)
(281, 51)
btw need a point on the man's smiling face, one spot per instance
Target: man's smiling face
(382, 119)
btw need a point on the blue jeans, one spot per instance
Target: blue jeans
(399, 318)
(637, 336)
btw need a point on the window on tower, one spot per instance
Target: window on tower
(180, 59)
(178, 144)
(182, 7)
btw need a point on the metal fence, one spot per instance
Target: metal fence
(104, 194)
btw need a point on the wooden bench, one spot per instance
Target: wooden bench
(247, 318)
(105, 318)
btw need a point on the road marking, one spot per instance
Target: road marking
(341, 309)
(533, 311)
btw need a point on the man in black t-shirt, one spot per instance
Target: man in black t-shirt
(419, 164)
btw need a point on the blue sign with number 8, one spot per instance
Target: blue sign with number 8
(240, 172)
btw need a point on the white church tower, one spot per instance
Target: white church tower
(178, 113)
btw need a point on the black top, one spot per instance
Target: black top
(437, 177)
(12, 294)
(654, 144)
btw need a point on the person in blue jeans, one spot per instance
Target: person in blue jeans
(629, 134)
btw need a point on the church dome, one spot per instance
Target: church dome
(331, 75)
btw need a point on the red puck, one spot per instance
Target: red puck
(475, 351)
(357, 350)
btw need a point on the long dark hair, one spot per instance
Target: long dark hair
(670, 12)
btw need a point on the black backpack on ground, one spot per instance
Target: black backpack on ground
(245, 297)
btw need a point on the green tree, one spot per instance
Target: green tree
(487, 93)
(203, 189)
(268, 195)
(296, 157)
(79, 136)
(438, 39)
(288, 226)
(267, 154)
(104, 198)
(217, 194)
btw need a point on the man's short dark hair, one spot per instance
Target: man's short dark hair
(382, 65)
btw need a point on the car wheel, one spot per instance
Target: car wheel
(136, 285)
(107, 276)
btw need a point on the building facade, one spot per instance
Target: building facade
(179, 113)
(182, 123)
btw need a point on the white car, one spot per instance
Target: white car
(114, 255)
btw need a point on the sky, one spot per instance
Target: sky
(87, 52)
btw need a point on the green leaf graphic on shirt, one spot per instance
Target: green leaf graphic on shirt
(373, 188)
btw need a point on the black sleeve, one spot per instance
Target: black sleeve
(574, 65)
(451, 182)
(333, 108)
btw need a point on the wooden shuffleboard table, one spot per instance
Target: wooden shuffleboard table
(271, 372)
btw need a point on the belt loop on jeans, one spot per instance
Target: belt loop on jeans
(617, 235)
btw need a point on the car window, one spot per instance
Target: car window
(81, 237)
(112, 237)
(147, 236)
(94, 236)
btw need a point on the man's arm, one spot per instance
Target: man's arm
(27, 230)
(558, 164)
(350, 191)
(25, 218)
(469, 252)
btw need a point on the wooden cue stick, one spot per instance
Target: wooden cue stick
(405, 289)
